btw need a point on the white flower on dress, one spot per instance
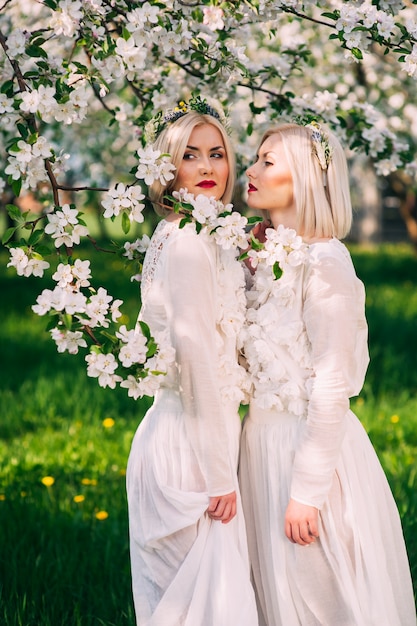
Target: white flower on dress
(267, 343)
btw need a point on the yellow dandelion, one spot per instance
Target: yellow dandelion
(108, 422)
(88, 481)
(79, 498)
(48, 481)
(101, 515)
(395, 419)
(2, 497)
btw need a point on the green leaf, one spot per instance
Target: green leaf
(8, 234)
(255, 243)
(14, 212)
(357, 53)
(277, 270)
(145, 329)
(67, 318)
(43, 250)
(35, 237)
(38, 41)
(7, 88)
(255, 219)
(126, 223)
(23, 130)
(152, 348)
(36, 51)
(53, 322)
(16, 186)
(107, 335)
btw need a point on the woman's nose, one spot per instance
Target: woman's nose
(205, 164)
(249, 172)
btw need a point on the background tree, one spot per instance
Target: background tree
(81, 80)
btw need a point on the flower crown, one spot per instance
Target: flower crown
(157, 124)
(321, 147)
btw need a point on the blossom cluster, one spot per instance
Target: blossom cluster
(65, 227)
(226, 226)
(283, 248)
(134, 360)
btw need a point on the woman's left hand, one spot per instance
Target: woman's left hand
(301, 523)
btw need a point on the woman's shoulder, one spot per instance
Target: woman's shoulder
(186, 241)
(330, 252)
(329, 263)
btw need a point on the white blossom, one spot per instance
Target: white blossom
(65, 21)
(231, 231)
(120, 198)
(213, 17)
(16, 43)
(6, 104)
(67, 340)
(15, 168)
(19, 260)
(103, 366)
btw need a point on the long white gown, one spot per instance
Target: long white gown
(188, 570)
(306, 345)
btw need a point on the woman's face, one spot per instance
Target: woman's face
(204, 168)
(270, 182)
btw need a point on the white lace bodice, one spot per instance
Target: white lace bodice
(159, 238)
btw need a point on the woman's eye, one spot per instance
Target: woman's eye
(217, 155)
(268, 163)
(188, 156)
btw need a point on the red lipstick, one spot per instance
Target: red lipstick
(206, 184)
(251, 188)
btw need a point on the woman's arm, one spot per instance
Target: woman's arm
(331, 320)
(191, 298)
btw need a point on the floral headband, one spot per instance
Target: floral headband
(321, 148)
(157, 124)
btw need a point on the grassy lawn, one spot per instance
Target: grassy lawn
(64, 444)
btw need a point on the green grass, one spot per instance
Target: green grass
(60, 565)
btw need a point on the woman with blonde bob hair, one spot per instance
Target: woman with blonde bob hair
(173, 141)
(189, 558)
(325, 537)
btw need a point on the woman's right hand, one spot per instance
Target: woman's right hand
(258, 231)
(222, 508)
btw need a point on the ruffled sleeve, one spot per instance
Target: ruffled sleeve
(336, 327)
(191, 305)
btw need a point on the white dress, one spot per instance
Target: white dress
(306, 345)
(188, 570)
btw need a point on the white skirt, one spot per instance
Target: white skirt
(187, 570)
(357, 573)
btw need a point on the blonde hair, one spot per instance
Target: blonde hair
(322, 210)
(173, 141)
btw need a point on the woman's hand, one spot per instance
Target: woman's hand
(258, 231)
(222, 508)
(301, 523)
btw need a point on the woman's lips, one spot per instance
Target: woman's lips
(251, 188)
(206, 184)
